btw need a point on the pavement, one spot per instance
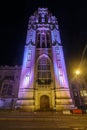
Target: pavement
(42, 121)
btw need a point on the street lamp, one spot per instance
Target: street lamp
(77, 72)
(76, 84)
(81, 88)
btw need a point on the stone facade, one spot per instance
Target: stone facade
(41, 84)
(9, 85)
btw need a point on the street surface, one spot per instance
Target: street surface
(42, 121)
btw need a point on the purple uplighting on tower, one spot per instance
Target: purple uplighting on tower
(43, 82)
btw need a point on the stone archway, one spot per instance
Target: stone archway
(44, 102)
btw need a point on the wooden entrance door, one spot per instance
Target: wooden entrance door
(44, 102)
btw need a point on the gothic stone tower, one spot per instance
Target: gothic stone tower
(43, 82)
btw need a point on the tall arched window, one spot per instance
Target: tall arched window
(44, 71)
(43, 39)
(6, 89)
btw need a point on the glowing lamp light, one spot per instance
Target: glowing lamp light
(77, 72)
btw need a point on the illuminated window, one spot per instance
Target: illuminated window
(83, 92)
(44, 72)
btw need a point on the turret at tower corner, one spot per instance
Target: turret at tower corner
(43, 82)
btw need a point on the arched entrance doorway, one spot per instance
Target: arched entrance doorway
(44, 102)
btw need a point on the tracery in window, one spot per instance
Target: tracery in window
(9, 77)
(6, 90)
(44, 72)
(43, 39)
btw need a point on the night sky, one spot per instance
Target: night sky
(14, 15)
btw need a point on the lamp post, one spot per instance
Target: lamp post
(76, 88)
(78, 83)
(80, 88)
